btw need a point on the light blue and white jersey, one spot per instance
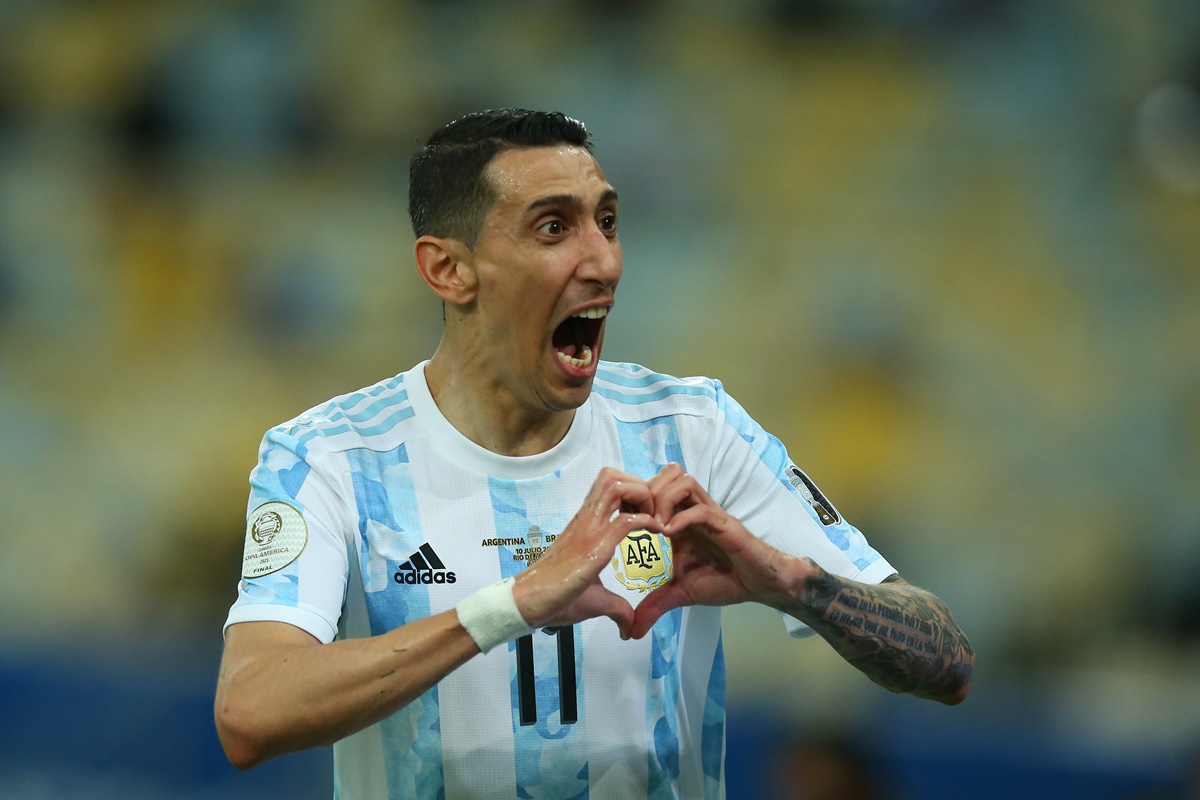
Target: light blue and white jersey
(373, 511)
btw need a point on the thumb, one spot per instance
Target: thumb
(624, 620)
(658, 602)
(618, 610)
(601, 602)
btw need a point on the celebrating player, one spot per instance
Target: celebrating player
(500, 573)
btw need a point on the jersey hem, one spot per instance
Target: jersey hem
(874, 572)
(305, 620)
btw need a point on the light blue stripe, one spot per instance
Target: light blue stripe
(278, 477)
(647, 447)
(626, 377)
(351, 400)
(551, 758)
(662, 707)
(312, 433)
(374, 430)
(511, 521)
(371, 410)
(389, 423)
(281, 471)
(712, 735)
(338, 409)
(773, 455)
(389, 522)
(328, 415)
(650, 397)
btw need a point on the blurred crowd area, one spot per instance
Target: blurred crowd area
(947, 250)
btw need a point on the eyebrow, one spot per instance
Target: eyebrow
(609, 196)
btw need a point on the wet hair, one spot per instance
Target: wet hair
(448, 193)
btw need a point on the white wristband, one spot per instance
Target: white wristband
(491, 615)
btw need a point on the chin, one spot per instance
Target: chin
(574, 400)
(570, 397)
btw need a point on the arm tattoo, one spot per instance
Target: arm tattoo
(901, 637)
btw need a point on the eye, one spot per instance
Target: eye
(608, 222)
(551, 227)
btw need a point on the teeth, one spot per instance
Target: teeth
(583, 362)
(593, 313)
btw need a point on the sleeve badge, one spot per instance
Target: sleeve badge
(276, 535)
(809, 491)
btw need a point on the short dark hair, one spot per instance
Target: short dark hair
(448, 194)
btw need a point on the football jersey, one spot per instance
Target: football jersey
(373, 511)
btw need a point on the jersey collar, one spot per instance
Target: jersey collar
(453, 445)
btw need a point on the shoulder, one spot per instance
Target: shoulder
(635, 392)
(373, 417)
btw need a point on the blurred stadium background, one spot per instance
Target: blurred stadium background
(947, 250)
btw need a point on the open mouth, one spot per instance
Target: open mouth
(577, 339)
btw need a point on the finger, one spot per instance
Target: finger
(693, 516)
(684, 491)
(587, 545)
(592, 546)
(672, 495)
(602, 488)
(596, 601)
(629, 521)
(619, 611)
(614, 490)
(665, 476)
(658, 602)
(620, 526)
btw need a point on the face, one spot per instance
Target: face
(547, 262)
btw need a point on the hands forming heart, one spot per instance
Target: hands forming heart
(716, 561)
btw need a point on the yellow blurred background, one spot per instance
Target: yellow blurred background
(947, 251)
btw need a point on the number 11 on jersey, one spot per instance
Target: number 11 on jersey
(568, 706)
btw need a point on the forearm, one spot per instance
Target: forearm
(902, 637)
(291, 697)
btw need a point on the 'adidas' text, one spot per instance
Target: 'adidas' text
(412, 577)
(423, 566)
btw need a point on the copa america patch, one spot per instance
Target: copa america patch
(276, 535)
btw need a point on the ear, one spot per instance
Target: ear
(447, 266)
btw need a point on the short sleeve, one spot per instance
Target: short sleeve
(754, 478)
(295, 565)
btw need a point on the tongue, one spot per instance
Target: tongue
(568, 349)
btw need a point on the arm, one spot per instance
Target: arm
(901, 637)
(282, 690)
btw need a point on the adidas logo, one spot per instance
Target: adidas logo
(423, 566)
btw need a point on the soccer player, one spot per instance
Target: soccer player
(500, 573)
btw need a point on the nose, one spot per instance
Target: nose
(602, 259)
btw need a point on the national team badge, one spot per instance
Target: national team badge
(643, 560)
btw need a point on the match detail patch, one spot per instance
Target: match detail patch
(275, 537)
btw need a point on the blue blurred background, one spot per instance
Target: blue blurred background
(947, 250)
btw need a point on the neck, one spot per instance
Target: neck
(486, 411)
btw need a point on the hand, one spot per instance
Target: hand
(563, 586)
(715, 560)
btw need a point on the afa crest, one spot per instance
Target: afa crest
(643, 560)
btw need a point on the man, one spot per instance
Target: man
(500, 573)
